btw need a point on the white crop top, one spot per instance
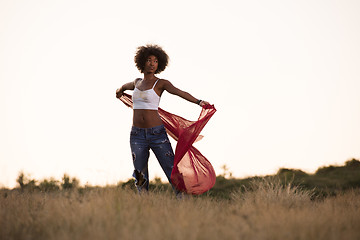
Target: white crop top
(147, 99)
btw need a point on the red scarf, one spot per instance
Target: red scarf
(192, 172)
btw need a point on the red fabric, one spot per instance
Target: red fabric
(192, 172)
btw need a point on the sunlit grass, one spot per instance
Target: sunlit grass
(265, 210)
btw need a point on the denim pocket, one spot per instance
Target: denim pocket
(134, 132)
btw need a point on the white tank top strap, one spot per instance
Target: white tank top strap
(155, 83)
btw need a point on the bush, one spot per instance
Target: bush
(49, 185)
(69, 184)
(25, 183)
(353, 164)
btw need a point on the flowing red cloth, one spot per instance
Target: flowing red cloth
(192, 172)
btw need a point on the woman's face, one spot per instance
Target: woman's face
(151, 64)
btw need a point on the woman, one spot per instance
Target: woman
(148, 130)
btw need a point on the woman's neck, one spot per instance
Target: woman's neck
(149, 76)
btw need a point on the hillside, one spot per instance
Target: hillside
(326, 181)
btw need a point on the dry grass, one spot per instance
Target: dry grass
(267, 211)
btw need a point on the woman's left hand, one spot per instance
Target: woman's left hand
(203, 103)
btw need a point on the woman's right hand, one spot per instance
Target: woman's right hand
(126, 86)
(119, 93)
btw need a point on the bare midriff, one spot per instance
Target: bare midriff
(146, 118)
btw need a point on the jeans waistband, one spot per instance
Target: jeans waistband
(151, 130)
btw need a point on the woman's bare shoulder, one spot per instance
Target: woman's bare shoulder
(137, 80)
(163, 81)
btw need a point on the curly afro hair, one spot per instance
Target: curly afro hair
(143, 52)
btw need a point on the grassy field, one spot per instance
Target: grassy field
(265, 209)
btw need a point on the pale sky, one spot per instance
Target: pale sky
(283, 75)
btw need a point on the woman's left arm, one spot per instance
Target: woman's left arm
(185, 95)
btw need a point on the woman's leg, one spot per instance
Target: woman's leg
(140, 157)
(161, 146)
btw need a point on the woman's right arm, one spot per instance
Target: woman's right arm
(126, 86)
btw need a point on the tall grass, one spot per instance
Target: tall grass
(266, 210)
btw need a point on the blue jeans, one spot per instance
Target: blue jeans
(141, 141)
